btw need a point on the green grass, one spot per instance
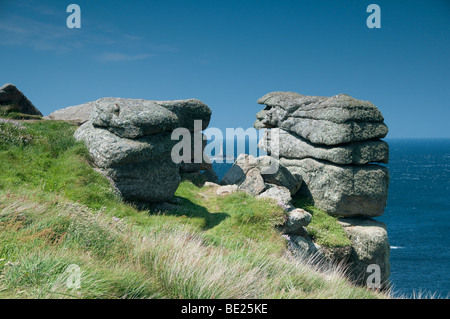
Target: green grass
(324, 229)
(56, 211)
(9, 112)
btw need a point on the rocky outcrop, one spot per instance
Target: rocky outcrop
(331, 143)
(78, 114)
(257, 176)
(130, 142)
(13, 100)
(370, 246)
(157, 116)
(132, 118)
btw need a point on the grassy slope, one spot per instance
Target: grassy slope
(56, 211)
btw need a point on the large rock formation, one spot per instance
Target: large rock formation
(130, 142)
(13, 100)
(332, 143)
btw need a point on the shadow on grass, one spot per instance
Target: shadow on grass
(186, 208)
(302, 201)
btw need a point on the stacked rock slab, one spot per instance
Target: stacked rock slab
(332, 143)
(130, 142)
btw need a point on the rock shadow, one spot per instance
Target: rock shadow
(182, 207)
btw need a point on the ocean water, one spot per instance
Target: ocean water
(417, 216)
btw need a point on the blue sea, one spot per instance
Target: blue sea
(417, 216)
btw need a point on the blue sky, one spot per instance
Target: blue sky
(229, 53)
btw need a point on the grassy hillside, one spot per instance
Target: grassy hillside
(56, 211)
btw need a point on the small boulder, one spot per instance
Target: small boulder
(297, 219)
(253, 183)
(370, 246)
(269, 168)
(236, 174)
(278, 193)
(304, 248)
(227, 189)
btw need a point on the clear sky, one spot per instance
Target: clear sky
(229, 53)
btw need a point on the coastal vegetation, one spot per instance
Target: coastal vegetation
(56, 210)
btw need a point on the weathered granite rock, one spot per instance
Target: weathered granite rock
(131, 143)
(236, 174)
(133, 118)
(345, 190)
(278, 193)
(210, 176)
(153, 180)
(296, 221)
(280, 143)
(328, 142)
(339, 108)
(211, 184)
(13, 100)
(187, 111)
(270, 169)
(339, 255)
(370, 246)
(330, 133)
(288, 101)
(274, 173)
(227, 189)
(322, 120)
(303, 247)
(253, 183)
(200, 178)
(141, 169)
(195, 167)
(192, 165)
(108, 149)
(78, 114)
